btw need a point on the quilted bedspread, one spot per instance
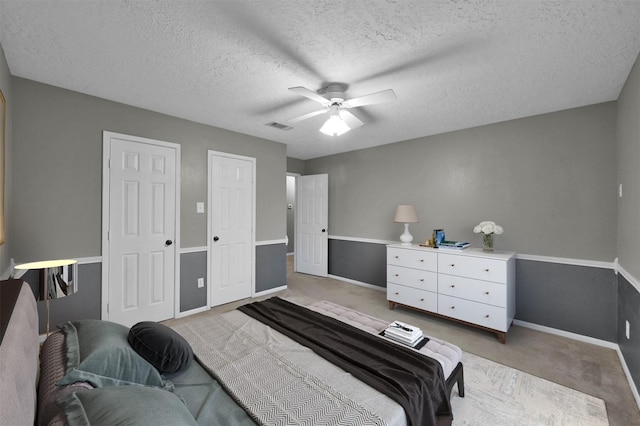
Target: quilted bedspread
(279, 381)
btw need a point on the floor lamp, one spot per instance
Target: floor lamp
(56, 280)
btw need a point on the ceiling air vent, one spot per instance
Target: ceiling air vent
(279, 126)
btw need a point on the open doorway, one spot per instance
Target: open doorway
(291, 215)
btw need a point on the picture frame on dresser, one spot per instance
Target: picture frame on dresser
(470, 286)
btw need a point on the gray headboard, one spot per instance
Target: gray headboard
(19, 351)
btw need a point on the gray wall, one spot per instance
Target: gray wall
(578, 299)
(7, 90)
(295, 166)
(271, 272)
(271, 266)
(58, 213)
(629, 218)
(549, 180)
(192, 267)
(359, 261)
(629, 310)
(628, 128)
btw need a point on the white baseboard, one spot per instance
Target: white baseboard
(567, 334)
(627, 373)
(271, 290)
(360, 283)
(192, 311)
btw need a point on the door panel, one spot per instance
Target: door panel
(312, 236)
(141, 263)
(231, 242)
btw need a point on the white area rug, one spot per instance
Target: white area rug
(499, 395)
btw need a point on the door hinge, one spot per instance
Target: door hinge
(107, 308)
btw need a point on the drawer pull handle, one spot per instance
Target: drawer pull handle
(486, 316)
(422, 300)
(397, 275)
(486, 292)
(397, 293)
(421, 280)
(397, 257)
(452, 285)
(421, 260)
(486, 270)
(453, 307)
(453, 265)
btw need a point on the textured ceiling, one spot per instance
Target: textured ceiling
(452, 64)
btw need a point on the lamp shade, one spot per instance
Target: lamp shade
(57, 279)
(335, 125)
(406, 214)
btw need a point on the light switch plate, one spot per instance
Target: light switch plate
(199, 207)
(626, 329)
(200, 282)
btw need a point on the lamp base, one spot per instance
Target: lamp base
(406, 237)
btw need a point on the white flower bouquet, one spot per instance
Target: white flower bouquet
(488, 227)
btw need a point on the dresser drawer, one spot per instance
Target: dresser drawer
(417, 259)
(474, 312)
(420, 299)
(473, 267)
(416, 278)
(470, 289)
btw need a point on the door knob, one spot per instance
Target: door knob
(216, 238)
(168, 243)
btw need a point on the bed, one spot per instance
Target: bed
(233, 369)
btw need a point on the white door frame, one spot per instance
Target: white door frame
(106, 150)
(210, 155)
(295, 211)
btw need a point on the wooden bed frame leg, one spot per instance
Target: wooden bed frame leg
(502, 337)
(392, 305)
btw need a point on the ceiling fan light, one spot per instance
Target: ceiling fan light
(334, 126)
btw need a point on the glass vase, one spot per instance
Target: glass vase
(487, 242)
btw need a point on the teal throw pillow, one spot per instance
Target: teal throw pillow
(98, 353)
(125, 406)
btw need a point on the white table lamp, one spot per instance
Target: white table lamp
(406, 214)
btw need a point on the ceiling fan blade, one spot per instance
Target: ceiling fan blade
(303, 91)
(304, 117)
(351, 120)
(374, 98)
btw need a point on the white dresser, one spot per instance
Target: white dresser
(470, 286)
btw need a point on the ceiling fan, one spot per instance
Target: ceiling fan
(334, 102)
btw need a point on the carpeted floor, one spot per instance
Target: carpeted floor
(503, 396)
(587, 368)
